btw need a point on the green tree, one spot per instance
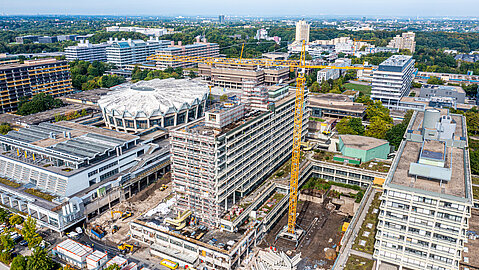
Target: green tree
(343, 126)
(435, 80)
(19, 263)
(472, 120)
(3, 215)
(30, 234)
(5, 128)
(113, 267)
(378, 127)
(376, 109)
(39, 260)
(395, 135)
(6, 241)
(314, 87)
(39, 103)
(357, 125)
(15, 220)
(325, 87)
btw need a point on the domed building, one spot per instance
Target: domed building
(165, 103)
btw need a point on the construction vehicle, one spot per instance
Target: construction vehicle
(98, 232)
(163, 187)
(169, 264)
(125, 248)
(116, 212)
(115, 229)
(126, 215)
(180, 221)
(301, 65)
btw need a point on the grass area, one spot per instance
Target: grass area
(378, 166)
(39, 194)
(365, 89)
(268, 205)
(9, 183)
(358, 263)
(316, 119)
(372, 218)
(475, 180)
(475, 192)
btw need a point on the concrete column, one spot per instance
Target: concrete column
(186, 115)
(226, 204)
(377, 264)
(148, 124)
(135, 125)
(196, 111)
(175, 119)
(162, 121)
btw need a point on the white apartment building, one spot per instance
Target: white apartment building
(213, 168)
(427, 196)
(392, 79)
(87, 52)
(200, 49)
(157, 32)
(126, 52)
(302, 31)
(330, 73)
(405, 42)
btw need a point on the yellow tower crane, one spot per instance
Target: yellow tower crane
(301, 65)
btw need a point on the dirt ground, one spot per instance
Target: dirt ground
(138, 205)
(324, 232)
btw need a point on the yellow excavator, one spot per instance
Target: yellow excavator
(125, 248)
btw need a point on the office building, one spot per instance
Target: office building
(126, 52)
(155, 32)
(61, 173)
(72, 252)
(145, 104)
(234, 76)
(261, 34)
(221, 18)
(86, 51)
(427, 196)
(392, 80)
(334, 106)
(199, 49)
(404, 42)
(31, 78)
(209, 182)
(27, 39)
(363, 148)
(302, 31)
(455, 92)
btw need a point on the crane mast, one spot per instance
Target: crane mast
(298, 128)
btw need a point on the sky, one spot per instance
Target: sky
(385, 8)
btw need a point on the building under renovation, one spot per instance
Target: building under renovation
(212, 158)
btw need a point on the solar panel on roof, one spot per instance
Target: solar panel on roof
(34, 134)
(18, 136)
(87, 145)
(73, 151)
(432, 155)
(83, 139)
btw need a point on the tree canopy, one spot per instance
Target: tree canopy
(39, 103)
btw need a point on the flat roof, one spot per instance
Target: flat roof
(410, 151)
(361, 142)
(396, 60)
(73, 247)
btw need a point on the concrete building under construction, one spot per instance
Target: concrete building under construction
(212, 158)
(234, 76)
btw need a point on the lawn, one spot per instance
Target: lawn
(475, 180)
(372, 218)
(365, 89)
(355, 262)
(39, 194)
(475, 192)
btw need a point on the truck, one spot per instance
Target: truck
(98, 232)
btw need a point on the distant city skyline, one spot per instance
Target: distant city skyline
(377, 8)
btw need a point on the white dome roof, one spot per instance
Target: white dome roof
(154, 97)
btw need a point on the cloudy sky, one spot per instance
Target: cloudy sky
(245, 7)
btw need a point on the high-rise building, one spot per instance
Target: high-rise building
(87, 52)
(405, 42)
(302, 31)
(127, 52)
(234, 76)
(427, 197)
(392, 79)
(221, 18)
(31, 78)
(221, 158)
(156, 32)
(200, 49)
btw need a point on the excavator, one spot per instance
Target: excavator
(125, 248)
